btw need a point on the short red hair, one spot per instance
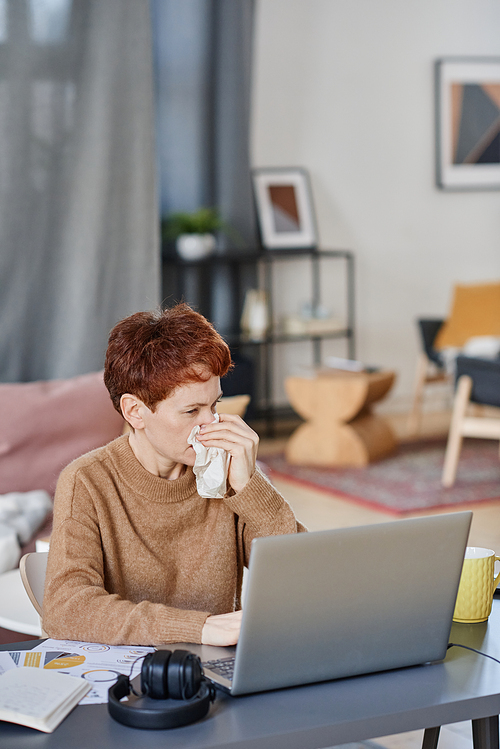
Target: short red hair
(150, 354)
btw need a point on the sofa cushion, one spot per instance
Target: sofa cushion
(45, 425)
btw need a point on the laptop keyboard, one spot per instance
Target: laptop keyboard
(222, 666)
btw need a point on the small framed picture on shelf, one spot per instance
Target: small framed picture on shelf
(285, 210)
(468, 123)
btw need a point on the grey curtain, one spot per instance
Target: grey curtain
(203, 53)
(79, 246)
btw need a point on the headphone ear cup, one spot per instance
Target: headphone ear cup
(194, 676)
(185, 675)
(154, 672)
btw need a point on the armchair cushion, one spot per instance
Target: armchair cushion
(45, 425)
(475, 312)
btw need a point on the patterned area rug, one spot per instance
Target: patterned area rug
(409, 480)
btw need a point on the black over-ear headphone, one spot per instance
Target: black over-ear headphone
(176, 678)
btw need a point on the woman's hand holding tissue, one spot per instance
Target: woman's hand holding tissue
(222, 629)
(232, 434)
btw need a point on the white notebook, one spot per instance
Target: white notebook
(37, 698)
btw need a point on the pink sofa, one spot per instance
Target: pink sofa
(43, 427)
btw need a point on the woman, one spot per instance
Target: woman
(136, 555)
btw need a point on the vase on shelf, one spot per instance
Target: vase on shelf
(255, 316)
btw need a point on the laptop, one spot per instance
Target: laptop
(331, 604)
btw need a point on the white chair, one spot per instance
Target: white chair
(33, 568)
(430, 370)
(475, 411)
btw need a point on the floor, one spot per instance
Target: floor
(319, 511)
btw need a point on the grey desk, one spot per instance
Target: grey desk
(465, 686)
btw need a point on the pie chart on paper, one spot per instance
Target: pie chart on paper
(63, 660)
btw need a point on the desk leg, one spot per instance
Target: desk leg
(431, 736)
(485, 733)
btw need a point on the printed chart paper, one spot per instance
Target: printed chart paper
(100, 665)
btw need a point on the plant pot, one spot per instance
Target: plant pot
(195, 246)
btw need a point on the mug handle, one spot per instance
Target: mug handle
(497, 578)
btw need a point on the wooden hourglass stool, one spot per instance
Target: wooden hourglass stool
(340, 429)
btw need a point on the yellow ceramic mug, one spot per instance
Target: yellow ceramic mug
(477, 585)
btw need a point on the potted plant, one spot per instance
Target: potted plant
(193, 233)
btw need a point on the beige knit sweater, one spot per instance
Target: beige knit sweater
(137, 559)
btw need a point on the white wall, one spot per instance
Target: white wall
(345, 89)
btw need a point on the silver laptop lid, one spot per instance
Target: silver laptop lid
(338, 603)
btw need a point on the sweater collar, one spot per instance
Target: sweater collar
(141, 481)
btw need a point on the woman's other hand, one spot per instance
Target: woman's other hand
(222, 629)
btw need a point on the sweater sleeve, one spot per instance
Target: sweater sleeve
(77, 605)
(261, 511)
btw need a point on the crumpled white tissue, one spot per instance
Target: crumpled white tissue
(210, 467)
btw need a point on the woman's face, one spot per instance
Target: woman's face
(168, 427)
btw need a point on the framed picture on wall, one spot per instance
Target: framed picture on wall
(468, 123)
(285, 209)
